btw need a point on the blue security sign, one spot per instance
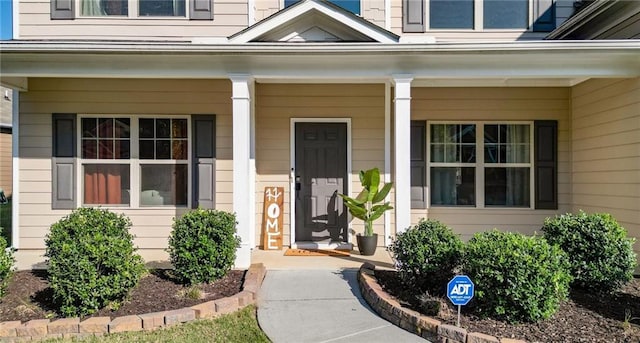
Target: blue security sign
(460, 290)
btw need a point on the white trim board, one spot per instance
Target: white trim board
(292, 181)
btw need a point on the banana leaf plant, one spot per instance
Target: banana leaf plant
(367, 205)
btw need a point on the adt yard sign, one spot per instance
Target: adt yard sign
(460, 290)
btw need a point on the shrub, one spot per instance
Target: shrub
(427, 256)
(601, 254)
(202, 245)
(92, 261)
(6, 265)
(517, 278)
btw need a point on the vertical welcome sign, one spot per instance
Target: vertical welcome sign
(272, 218)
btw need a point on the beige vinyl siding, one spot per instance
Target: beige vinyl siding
(498, 104)
(265, 8)
(373, 11)
(276, 104)
(606, 150)
(229, 17)
(113, 96)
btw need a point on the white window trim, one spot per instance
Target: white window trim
(133, 12)
(134, 162)
(480, 165)
(478, 19)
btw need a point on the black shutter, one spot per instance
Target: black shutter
(544, 15)
(200, 10)
(546, 164)
(204, 161)
(413, 15)
(63, 181)
(62, 9)
(418, 165)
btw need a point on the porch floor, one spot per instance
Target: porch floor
(275, 260)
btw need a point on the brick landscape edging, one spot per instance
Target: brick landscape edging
(426, 327)
(96, 326)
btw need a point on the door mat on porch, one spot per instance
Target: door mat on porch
(316, 252)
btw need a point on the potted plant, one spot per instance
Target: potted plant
(367, 206)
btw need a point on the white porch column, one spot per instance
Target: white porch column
(402, 150)
(242, 195)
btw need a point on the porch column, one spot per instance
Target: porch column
(402, 150)
(242, 195)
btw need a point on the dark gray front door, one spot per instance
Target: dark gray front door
(321, 173)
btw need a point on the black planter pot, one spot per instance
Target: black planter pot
(367, 244)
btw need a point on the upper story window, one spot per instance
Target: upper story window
(144, 8)
(495, 14)
(187, 9)
(423, 15)
(352, 6)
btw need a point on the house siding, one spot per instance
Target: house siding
(265, 8)
(229, 17)
(606, 150)
(498, 104)
(276, 104)
(113, 96)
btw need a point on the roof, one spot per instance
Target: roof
(602, 19)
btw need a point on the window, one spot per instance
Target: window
(158, 8)
(139, 161)
(486, 14)
(126, 8)
(164, 158)
(480, 164)
(95, 8)
(352, 6)
(447, 14)
(500, 14)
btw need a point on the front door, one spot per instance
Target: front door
(321, 173)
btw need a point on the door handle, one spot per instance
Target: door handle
(298, 184)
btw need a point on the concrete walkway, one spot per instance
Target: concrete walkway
(321, 306)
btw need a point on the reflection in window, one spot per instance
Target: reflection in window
(453, 186)
(96, 8)
(161, 8)
(447, 14)
(163, 184)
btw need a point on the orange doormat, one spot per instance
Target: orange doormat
(316, 252)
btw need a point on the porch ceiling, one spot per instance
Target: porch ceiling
(480, 64)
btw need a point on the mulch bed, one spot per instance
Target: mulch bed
(30, 297)
(585, 317)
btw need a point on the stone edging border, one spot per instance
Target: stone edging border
(39, 329)
(426, 327)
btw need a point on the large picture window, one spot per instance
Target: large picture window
(135, 161)
(480, 164)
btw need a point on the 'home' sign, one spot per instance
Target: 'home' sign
(272, 221)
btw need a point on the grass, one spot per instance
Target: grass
(5, 221)
(240, 327)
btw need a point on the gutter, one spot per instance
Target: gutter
(137, 48)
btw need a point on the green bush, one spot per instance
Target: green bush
(6, 265)
(427, 256)
(517, 278)
(601, 254)
(202, 245)
(92, 261)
